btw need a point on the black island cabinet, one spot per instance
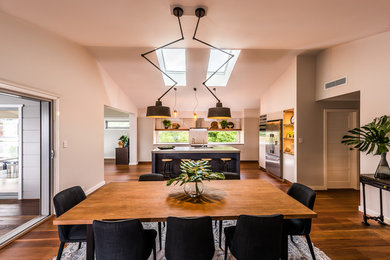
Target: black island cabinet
(221, 159)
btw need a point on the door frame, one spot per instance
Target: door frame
(355, 179)
(27, 91)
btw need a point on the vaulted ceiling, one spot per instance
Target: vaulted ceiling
(269, 33)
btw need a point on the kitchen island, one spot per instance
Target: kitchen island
(216, 156)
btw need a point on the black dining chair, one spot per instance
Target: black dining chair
(151, 177)
(301, 227)
(255, 237)
(64, 201)
(123, 240)
(189, 239)
(154, 177)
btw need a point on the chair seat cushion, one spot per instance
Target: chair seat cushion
(295, 226)
(77, 233)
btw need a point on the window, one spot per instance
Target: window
(172, 137)
(9, 138)
(217, 58)
(117, 124)
(173, 62)
(224, 137)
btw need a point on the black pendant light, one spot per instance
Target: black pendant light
(217, 112)
(158, 110)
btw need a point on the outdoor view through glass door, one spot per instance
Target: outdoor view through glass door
(25, 127)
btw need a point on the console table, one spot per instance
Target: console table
(369, 179)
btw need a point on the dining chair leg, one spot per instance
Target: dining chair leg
(220, 234)
(226, 249)
(159, 234)
(310, 247)
(154, 250)
(59, 254)
(292, 240)
(79, 246)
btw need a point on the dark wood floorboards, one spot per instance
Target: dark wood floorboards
(337, 230)
(14, 213)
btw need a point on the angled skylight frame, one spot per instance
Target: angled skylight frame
(216, 59)
(173, 62)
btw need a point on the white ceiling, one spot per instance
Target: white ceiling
(269, 32)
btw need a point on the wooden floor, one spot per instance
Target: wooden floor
(337, 230)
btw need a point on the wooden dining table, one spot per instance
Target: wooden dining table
(154, 201)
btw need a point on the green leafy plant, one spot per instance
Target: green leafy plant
(224, 124)
(125, 140)
(371, 138)
(166, 123)
(195, 171)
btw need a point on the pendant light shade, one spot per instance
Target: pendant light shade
(219, 112)
(158, 111)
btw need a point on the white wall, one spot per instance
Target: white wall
(38, 59)
(282, 95)
(366, 63)
(111, 137)
(31, 145)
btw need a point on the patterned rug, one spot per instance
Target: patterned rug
(296, 250)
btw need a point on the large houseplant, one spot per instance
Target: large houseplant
(372, 138)
(192, 175)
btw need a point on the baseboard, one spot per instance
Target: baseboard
(94, 188)
(109, 158)
(133, 163)
(374, 213)
(318, 187)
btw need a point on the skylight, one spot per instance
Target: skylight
(173, 62)
(217, 58)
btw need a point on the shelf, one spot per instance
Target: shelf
(290, 153)
(286, 138)
(288, 125)
(180, 129)
(223, 130)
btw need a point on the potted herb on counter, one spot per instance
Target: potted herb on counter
(224, 124)
(166, 123)
(192, 175)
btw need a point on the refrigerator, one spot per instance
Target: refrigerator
(273, 148)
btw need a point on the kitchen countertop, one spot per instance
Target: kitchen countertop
(217, 149)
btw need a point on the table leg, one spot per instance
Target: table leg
(284, 255)
(364, 206)
(90, 243)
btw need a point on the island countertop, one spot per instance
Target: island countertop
(216, 149)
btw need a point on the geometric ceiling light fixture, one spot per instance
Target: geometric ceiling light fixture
(217, 112)
(158, 110)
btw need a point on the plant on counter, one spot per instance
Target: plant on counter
(124, 140)
(372, 138)
(192, 174)
(224, 124)
(166, 123)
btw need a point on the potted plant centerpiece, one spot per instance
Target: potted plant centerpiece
(192, 175)
(166, 123)
(372, 138)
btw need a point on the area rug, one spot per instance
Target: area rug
(296, 250)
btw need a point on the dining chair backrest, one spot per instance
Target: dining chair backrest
(64, 201)
(151, 177)
(258, 237)
(120, 240)
(307, 197)
(67, 199)
(189, 238)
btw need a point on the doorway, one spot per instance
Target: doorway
(25, 162)
(341, 163)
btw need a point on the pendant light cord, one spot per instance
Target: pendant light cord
(177, 11)
(200, 12)
(197, 102)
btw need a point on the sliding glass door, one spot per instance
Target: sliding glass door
(25, 163)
